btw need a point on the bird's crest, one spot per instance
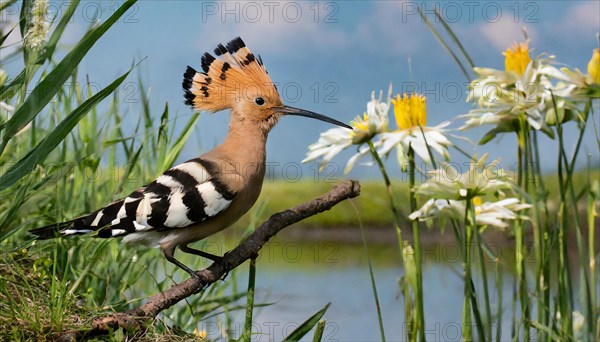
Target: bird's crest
(236, 75)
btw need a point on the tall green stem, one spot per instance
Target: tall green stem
(247, 333)
(592, 198)
(486, 292)
(420, 321)
(471, 229)
(541, 232)
(390, 193)
(417, 244)
(467, 316)
(521, 247)
(565, 301)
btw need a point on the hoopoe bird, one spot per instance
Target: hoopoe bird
(207, 194)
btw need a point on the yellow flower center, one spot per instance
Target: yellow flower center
(361, 132)
(410, 111)
(361, 124)
(477, 204)
(594, 66)
(517, 58)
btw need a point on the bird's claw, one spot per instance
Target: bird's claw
(198, 275)
(226, 265)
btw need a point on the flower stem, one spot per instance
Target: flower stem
(390, 194)
(521, 247)
(417, 244)
(542, 230)
(471, 229)
(467, 315)
(568, 187)
(396, 219)
(565, 301)
(486, 292)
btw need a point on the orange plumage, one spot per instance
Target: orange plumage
(237, 75)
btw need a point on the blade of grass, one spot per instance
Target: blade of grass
(60, 28)
(41, 151)
(247, 333)
(9, 90)
(6, 36)
(454, 38)
(593, 192)
(305, 327)
(371, 276)
(48, 87)
(439, 38)
(224, 299)
(178, 145)
(229, 310)
(131, 163)
(25, 13)
(15, 203)
(319, 331)
(5, 4)
(162, 140)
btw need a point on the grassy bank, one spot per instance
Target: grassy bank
(370, 207)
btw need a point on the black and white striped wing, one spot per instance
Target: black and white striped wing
(184, 195)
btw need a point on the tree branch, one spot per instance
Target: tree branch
(134, 319)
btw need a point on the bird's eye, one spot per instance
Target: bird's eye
(259, 101)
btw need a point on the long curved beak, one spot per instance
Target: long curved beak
(287, 110)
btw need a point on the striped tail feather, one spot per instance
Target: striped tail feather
(116, 219)
(68, 228)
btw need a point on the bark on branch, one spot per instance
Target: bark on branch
(136, 318)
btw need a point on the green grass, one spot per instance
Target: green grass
(372, 203)
(38, 304)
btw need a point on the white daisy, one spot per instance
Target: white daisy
(494, 214)
(447, 182)
(335, 140)
(523, 90)
(411, 117)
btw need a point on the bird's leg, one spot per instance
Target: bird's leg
(189, 250)
(169, 256)
(215, 258)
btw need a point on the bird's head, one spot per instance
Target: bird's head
(238, 80)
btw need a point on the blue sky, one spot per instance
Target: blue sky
(328, 56)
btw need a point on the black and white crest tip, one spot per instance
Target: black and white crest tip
(235, 44)
(234, 69)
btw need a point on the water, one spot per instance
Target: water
(300, 278)
(299, 292)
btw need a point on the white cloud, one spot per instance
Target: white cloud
(276, 27)
(504, 32)
(584, 17)
(391, 24)
(582, 21)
